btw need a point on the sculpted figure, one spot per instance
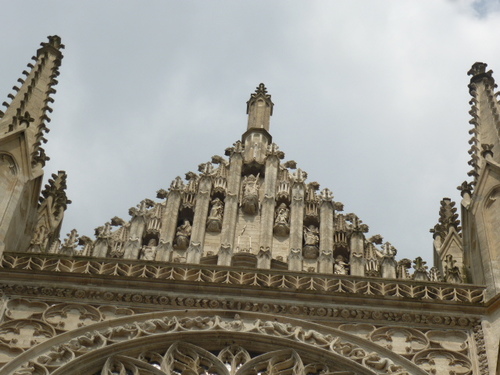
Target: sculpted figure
(281, 221)
(37, 243)
(250, 200)
(311, 241)
(182, 235)
(214, 221)
(149, 251)
(340, 267)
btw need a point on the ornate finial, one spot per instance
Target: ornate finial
(53, 46)
(259, 109)
(326, 195)
(477, 68)
(56, 188)
(55, 41)
(448, 218)
(478, 73)
(261, 90)
(465, 188)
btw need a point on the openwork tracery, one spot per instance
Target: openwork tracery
(185, 358)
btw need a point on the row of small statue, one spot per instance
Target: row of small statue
(214, 224)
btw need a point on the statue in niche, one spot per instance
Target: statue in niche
(37, 244)
(311, 242)
(214, 221)
(340, 267)
(250, 200)
(282, 221)
(149, 251)
(183, 235)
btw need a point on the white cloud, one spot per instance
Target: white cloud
(371, 97)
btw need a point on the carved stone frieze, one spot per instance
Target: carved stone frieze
(422, 344)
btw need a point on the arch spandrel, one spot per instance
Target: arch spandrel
(89, 347)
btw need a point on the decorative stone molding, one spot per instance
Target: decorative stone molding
(65, 353)
(29, 322)
(165, 300)
(335, 284)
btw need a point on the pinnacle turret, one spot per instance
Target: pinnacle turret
(448, 218)
(485, 114)
(259, 109)
(31, 100)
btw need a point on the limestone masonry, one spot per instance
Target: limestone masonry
(245, 267)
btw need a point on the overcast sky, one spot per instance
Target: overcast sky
(370, 97)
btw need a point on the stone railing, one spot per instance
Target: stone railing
(269, 279)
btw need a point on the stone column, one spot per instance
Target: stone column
(268, 206)
(296, 225)
(137, 226)
(357, 260)
(388, 266)
(231, 206)
(325, 260)
(195, 249)
(169, 222)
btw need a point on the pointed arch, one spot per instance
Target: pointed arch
(86, 349)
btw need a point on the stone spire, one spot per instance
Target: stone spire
(257, 138)
(485, 113)
(259, 109)
(30, 102)
(22, 129)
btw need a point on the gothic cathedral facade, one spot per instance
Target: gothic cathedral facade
(242, 268)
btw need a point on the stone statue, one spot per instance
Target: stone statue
(281, 222)
(214, 221)
(250, 199)
(311, 241)
(183, 235)
(38, 241)
(340, 267)
(149, 251)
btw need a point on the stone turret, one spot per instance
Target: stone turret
(257, 137)
(22, 129)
